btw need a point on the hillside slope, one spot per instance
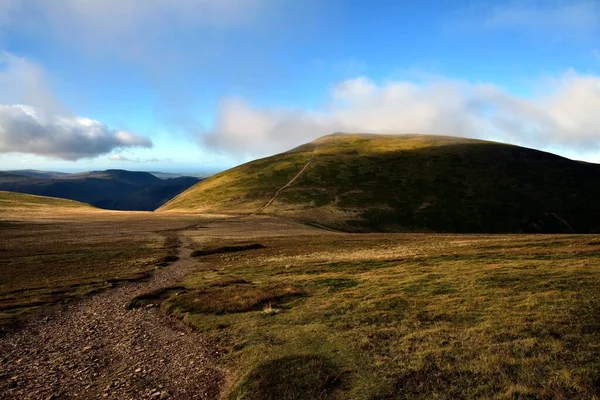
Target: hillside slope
(111, 189)
(409, 183)
(14, 203)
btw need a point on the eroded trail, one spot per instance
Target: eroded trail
(287, 185)
(98, 348)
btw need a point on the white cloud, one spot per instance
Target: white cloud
(174, 47)
(565, 114)
(33, 121)
(25, 129)
(122, 158)
(118, 157)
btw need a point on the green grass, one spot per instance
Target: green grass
(411, 183)
(402, 316)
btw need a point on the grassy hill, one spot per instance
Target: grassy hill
(409, 183)
(10, 202)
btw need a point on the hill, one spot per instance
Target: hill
(111, 189)
(409, 183)
(11, 202)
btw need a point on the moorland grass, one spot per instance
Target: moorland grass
(50, 254)
(232, 298)
(436, 316)
(316, 314)
(309, 376)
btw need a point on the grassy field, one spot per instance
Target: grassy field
(409, 183)
(304, 313)
(53, 250)
(406, 316)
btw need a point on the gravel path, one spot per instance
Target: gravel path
(99, 349)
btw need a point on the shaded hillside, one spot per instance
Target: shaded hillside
(410, 183)
(111, 189)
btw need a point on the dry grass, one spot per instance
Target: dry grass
(407, 315)
(50, 254)
(317, 314)
(231, 299)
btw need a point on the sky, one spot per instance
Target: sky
(203, 85)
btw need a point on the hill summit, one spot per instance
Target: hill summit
(368, 182)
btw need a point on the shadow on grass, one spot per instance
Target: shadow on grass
(305, 377)
(227, 249)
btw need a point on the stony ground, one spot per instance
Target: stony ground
(98, 348)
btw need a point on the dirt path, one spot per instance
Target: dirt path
(281, 189)
(99, 349)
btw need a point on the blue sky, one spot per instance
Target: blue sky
(201, 85)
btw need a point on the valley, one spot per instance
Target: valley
(110, 189)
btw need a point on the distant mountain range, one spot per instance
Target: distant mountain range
(111, 189)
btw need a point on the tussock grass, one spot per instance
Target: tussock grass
(155, 296)
(233, 298)
(301, 377)
(230, 281)
(432, 316)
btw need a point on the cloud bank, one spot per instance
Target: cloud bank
(122, 158)
(564, 114)
(177, 47)
(33, 121)
(25, 129)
